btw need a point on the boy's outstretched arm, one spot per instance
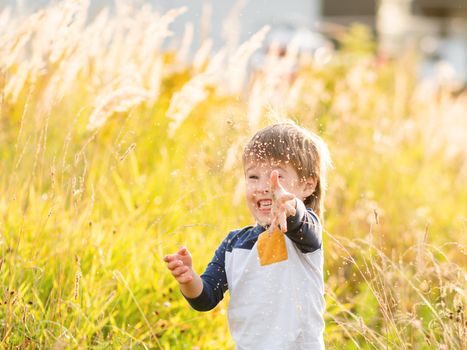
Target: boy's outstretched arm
(202, 292)
(300, 224)
(180, 265)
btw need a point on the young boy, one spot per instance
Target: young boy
(273, 270)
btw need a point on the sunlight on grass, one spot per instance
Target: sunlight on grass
(115, 152)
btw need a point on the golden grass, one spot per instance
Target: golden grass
(114, 152)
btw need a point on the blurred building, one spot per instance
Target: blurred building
(437, 27)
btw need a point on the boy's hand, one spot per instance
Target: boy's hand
(180, 264)
(283, 203)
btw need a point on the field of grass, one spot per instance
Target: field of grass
(114, 152)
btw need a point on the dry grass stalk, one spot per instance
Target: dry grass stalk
(400, 290)
(236, 71)
(183, 102)
(205, 25)
(194, 91)
(202, 55)
(187, 39)
(231, 25)
(119, 101)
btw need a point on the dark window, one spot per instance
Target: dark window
(440, 8)
(349, 8)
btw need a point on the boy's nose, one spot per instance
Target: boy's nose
(264, 186)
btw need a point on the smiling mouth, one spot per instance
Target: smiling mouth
(264, 204)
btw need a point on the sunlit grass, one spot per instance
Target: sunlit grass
(99, 180)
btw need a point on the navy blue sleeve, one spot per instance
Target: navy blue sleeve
(214, 281)
(304, 229)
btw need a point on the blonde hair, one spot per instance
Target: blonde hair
(305, 151)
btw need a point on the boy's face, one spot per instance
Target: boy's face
(258, 187)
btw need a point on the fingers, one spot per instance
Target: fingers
(279, 218)
(285, 197)
(284, 203)
(275, 179)
(185, 278)
(180, 270)
(282, 221)
(170, 257)
(273, 225)
(182, 274)
(174, 264)
(183, 251)
(279, 221)
(178, 259)
(279, 193)
(290, 208)
(179, 265)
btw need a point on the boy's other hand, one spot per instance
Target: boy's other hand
(180, 265)
(283, 203)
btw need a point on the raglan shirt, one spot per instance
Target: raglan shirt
(273, 307)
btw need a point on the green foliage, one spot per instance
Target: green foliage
(358, 41)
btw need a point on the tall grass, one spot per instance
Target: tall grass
(114, 152)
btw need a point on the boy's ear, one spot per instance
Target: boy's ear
(310, 185)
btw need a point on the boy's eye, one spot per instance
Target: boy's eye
(253, 177)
